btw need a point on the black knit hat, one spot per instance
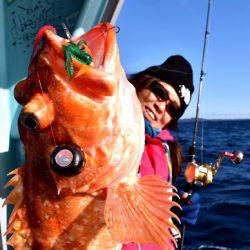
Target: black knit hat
(178, 73)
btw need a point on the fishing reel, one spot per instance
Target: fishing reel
(202, 174)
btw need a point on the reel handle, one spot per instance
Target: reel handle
(237, 157)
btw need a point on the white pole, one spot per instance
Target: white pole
(4, 147)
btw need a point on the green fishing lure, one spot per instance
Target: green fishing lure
(73, 50)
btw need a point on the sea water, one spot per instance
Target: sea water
(224, 218)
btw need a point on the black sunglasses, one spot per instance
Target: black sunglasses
(163, 95)
(159, 90)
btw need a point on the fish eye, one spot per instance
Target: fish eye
(67, 160)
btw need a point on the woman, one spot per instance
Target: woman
(164, 92)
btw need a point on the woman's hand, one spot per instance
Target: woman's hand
(191, 207)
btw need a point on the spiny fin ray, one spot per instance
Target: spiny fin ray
(21, 238)
(132, 218)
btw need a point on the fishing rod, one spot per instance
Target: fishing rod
(200, 175)
(192, 149)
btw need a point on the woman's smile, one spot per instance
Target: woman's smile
(150, 113)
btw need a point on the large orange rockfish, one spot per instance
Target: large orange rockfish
(83, 133)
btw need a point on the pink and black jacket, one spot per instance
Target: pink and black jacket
(155, 161)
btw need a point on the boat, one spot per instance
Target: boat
(19, 22)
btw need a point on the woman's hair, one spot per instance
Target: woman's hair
(140, 81)
(176, 158)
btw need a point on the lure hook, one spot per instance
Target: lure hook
(67, 32)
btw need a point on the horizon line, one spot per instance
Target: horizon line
(214, 118)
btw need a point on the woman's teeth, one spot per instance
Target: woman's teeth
(151, 114)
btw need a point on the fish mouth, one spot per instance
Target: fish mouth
(68, 160)
(101, 43)
(104, 71)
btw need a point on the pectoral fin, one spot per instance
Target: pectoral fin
(139, 211)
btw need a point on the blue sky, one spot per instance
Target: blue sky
(152, 30)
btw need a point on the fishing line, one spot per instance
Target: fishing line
(202, 139)
(53, 137)
(41, 87)
(117, 30)
(69, 36)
